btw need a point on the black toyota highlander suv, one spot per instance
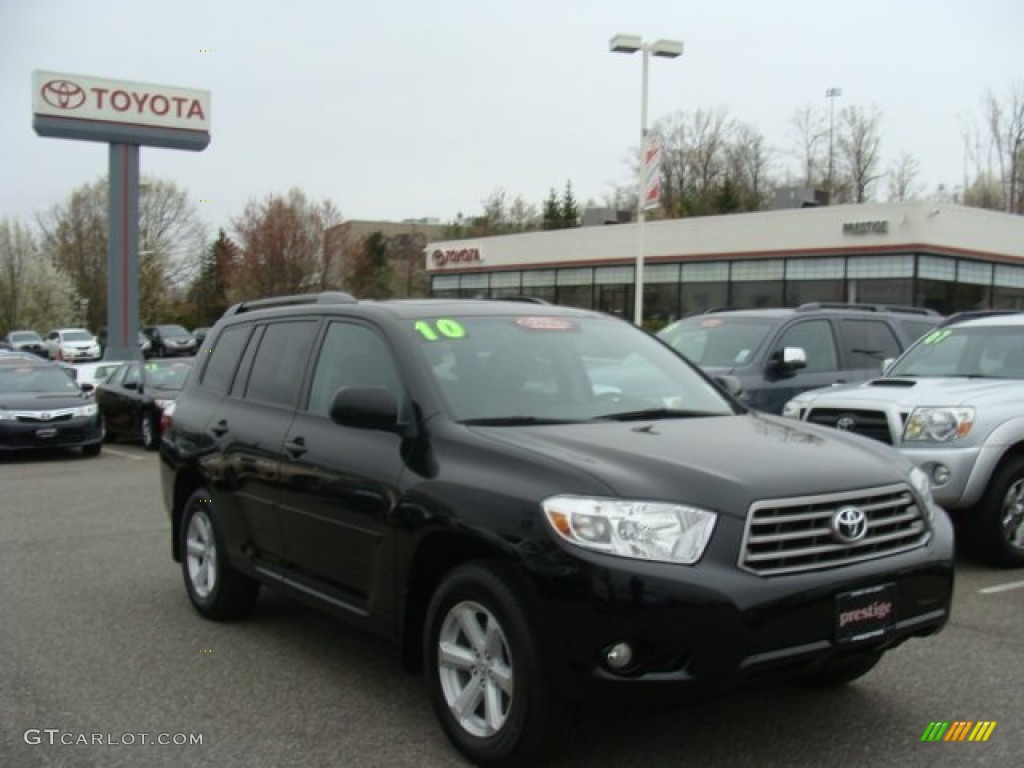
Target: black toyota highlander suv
(539, 505)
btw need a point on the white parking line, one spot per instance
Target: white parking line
(123, 455)
(1002, 587)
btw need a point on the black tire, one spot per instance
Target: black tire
(841, 672)
(150, 427)
(92, 450)
(516, 724)
(996, 529)
(216, 588)
(108, 436)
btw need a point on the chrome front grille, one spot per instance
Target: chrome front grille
(873, 424)
(799, 534)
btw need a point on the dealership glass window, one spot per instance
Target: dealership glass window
(895, 265)
(936, 268)
(699, 297)
(939, 295)
(757, 283)
(538, 278)
(581, 296)
(1008, 292)
(973, 285)
(614, 275)
(444, 286)
(880, 291)
(615, 290)
(473, 285)
(506, 280)
(705, 273)
(575, 287)
(805, 291)
(974, 272)
(661, 303)
(831, 268)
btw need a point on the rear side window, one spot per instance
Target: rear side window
(868, 342)
(276, 374)
(224, 357)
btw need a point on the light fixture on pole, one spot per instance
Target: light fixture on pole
(667, 49)
(831, 94)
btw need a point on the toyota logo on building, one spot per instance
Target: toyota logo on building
(849, 525)
(846, 423)
(63, 94)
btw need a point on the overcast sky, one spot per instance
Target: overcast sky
(400, 109)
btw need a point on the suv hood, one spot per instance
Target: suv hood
(722, 463)
(908, 392)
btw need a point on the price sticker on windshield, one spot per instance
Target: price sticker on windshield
(936, 337)
(442, 328)
(545, 323)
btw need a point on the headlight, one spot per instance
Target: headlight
(939, 425)
(646, 530)
(86, 410)
(920, 483)
(6, 415)
(162, 404)
(793, 409)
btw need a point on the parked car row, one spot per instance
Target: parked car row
(79, 345)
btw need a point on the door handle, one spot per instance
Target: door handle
(296, 447)
(220, 428)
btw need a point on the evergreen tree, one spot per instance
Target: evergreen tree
(569, 213)
(552, 217)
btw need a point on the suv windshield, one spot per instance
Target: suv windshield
(533, 368)
(711, 340)
(979, 351)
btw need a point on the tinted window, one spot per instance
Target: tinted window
(167, 375)
(816, 340)
(711, 340)
(868, 342)
(351, 356)
(224, 356)
(131, 375)
(280, 360)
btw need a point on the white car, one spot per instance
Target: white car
(89, 375)
(72, 345)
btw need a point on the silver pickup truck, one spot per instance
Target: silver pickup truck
(953, 404)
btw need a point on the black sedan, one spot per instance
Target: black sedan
(42, 407)
(133, 398)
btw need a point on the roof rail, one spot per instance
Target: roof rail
(517, 297)
(326, 297)
(973, 314)
(813, 305)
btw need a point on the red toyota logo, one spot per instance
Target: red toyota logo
(63, 94)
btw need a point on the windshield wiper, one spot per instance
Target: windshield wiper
(655, 413)
(514, 421)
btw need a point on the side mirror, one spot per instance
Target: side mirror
(365, 408)
(86, 387)
(131, 385)
(790, 359)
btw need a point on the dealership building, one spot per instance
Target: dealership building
(944, 257)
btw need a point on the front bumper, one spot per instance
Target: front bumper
(73, 432)
(700, 630)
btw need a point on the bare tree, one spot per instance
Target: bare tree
(1004, 122)
(284, 246)
(810, 135)
(859, 143)
(902, 176)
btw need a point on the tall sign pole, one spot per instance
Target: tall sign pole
(125, 115)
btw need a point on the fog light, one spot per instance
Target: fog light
(940, 474)
(619, 656)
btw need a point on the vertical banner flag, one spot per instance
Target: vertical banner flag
(651, 190)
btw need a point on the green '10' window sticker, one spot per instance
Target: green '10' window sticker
(441, 328)
(936, 336)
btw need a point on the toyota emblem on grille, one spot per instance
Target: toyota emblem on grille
(44, 416)
(846, 423)
(849, 524)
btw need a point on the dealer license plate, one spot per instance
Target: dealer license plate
(46, 432)
(865, 613)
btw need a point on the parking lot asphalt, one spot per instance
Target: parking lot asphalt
(99, 643)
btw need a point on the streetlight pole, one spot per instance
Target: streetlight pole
(668, 49)
(831, 94)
